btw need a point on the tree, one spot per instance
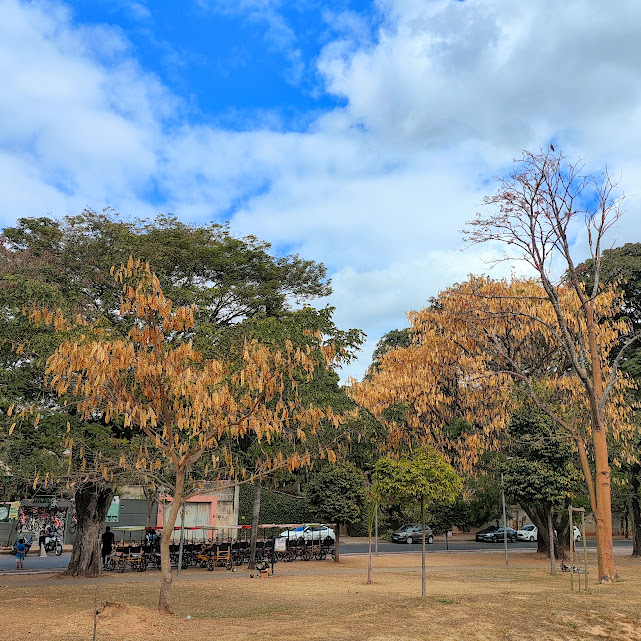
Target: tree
(312, 330)
(183, 404)
(64, 265)
(392, 340)
(479, 347)
(478, 503)
(536, 211)
(421, 393)
(621, 267)
(336, 494)
(425, 477)
(541, 475)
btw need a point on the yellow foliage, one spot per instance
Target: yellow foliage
(484, 341)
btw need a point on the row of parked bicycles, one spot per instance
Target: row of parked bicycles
(227, 555)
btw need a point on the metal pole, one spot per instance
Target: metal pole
(572, 552)
(507, 562)
(182, 533)
(376, 531)
(585, 549)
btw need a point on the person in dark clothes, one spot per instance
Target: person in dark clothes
(108, 541)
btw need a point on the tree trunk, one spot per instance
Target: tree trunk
(255, 522)
(538, 516)
(92, 504)
(551, 539)
(423, 576)
(369, 553)
(602, 494)
(635, 507)
(164, 601)
(603, 513)
(337, 543)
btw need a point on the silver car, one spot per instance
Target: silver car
(411, 533)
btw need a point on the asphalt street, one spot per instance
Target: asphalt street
(34, 563)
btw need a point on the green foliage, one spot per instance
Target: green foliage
(479, 503)
(541, 468)
(66, 264)
(622, 265)
(275, 507)
(337, 494)
(423, 476)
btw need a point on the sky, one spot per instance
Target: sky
(361, 134)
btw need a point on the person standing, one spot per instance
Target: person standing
(20, 552)
(42, 539)
(108, 540)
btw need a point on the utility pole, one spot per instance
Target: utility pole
(507, 562)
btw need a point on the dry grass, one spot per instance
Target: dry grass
(470, 597)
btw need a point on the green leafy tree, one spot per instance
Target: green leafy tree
(424, 478)
(314, 331)
(336, 494)
(65, 265)
(541, 474)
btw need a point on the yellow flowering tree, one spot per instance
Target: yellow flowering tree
(185, 406)
(480, 347)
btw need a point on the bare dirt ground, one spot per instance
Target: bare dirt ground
(470, 597)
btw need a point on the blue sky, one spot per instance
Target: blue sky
(360, 134)
(234, 61)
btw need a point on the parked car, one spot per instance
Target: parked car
(527, 533)
(310, 533)
(497, 535)
(530, 533)
(480, 535)
(412, 533)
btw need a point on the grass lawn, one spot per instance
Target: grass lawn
(470, 597)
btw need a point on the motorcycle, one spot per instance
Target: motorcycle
(53, 544)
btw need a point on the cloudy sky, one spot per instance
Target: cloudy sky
(359, 133)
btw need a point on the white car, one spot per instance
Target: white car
(529, 533)
(310, 533)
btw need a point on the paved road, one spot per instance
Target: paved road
(460, 546)
(35, 563)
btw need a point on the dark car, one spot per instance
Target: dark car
(480, 535)
(498, 535)
(412, 533)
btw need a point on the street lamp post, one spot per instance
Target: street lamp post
(507, 562)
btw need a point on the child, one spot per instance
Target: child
(20, 552)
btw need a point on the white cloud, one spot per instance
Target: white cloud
(440, 99)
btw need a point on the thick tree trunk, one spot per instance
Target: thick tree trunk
(602, 490)
(337, 543)
(538, 516)
(92, 504)
(635, 507)
(255, 522)
(603, 513)
(164, 601)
